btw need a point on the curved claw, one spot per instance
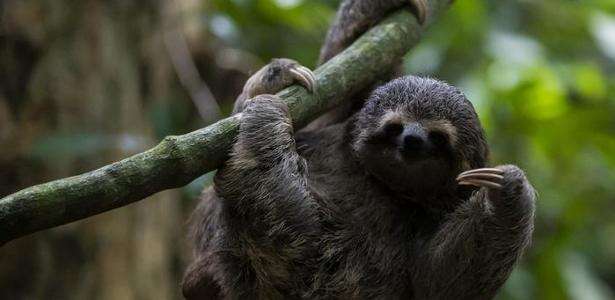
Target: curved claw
(311, 74)
(494, 177)
(483, 177)
(304, 76)
(481, 183)
(483, 170)
(421, 8)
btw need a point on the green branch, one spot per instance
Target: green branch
(178, 160)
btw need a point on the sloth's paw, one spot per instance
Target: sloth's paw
(279, 74)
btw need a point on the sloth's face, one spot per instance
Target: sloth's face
(416, 135)
(410, 155)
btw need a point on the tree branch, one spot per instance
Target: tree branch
(178, 160)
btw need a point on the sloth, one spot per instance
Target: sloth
(373, 207)
(395, 201)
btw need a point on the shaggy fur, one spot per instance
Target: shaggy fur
(349, 209)
(329, 215)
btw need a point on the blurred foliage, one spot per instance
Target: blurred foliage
(541, 74)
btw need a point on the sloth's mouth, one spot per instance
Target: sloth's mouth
(420, 163)
(401, 155)
(414, 154)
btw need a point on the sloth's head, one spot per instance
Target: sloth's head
(416, 134)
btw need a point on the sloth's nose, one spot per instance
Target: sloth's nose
(413, 138)
(413, 142)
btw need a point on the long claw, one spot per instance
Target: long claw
(421, 8)
(479, 176)
(483, 177)
(299, 76)
(481, 183)
(303, 77)
(483, 170)
(311, 76)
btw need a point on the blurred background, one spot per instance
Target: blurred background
(86, 83)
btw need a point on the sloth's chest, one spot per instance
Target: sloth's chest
(370, 243)
(366, 257)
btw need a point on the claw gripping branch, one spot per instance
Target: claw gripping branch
(178, 160)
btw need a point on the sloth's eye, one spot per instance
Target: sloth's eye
(392, 129)
(438, 138)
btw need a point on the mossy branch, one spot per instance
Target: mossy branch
(178, 160)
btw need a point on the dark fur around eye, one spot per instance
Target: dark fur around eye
(392, 129)
(439, 138)
(387, 132)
